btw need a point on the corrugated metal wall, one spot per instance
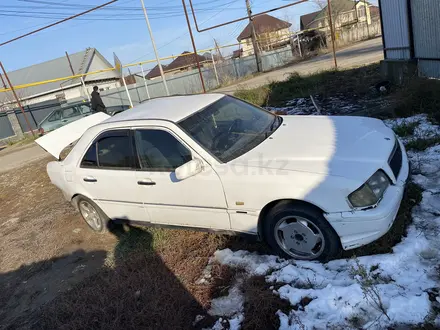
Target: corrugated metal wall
(5, 126)
(426, 28)
(396, 29)
(426, 32)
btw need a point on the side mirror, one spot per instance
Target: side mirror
(189, 169)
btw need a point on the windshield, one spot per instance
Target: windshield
(230, 127)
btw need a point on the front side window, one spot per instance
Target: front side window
(158, 150)
(71, 112)
(84, 108)
(113, 149)
(230, 127)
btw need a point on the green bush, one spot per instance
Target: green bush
(405, 129)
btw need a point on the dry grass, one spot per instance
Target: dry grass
(261, 305)
(140, 293)
(223, 278)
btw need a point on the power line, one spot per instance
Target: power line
(184, 34)
(55, 5)
(56, 23)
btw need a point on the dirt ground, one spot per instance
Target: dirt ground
(45, 246)
(52, 264)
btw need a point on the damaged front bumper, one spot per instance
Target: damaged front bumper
(357, 228)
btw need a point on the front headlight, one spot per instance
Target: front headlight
(370, 192)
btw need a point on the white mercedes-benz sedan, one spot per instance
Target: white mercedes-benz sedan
(307, 185)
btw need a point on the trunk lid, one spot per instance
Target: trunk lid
(55, 141)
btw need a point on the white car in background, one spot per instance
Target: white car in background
(307, 185)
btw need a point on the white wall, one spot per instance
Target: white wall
(74, 92)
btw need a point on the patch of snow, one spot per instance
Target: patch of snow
(424, 129)
(402, 278)
(235, 323)
(253, 263)
(334, 105)
(228, 305)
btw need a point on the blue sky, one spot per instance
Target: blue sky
(122, 30)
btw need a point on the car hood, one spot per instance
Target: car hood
(55, 141)
(352, 147)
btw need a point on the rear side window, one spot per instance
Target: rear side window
(90, 158)
(112, 149)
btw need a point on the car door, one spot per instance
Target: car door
(85, 110)
(197, 201)
(52, 122)
(107, 174)
(70, 114)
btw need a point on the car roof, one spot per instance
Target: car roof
(171, 108)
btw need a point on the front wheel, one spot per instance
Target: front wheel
(300, 231)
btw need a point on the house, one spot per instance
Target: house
(184, 62)
(85, 61)
(308, 21)
(270, 31)
(237, 53)
(344, 13)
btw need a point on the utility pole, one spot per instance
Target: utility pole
(145, 81)
(155, 49)
(194, 47)
(332, 31)
(82, 80)
(17, 99)
(254, 36)
(220, 56)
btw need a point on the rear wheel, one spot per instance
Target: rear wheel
(92, 214)
(299, 231)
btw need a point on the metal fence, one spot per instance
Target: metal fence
(188, 82)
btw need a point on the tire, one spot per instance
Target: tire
(299, 231)
(97, 219)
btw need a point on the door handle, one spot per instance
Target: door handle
(64, 120)
(89, 179)
(146, 183)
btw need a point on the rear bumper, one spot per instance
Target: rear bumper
(358, 228)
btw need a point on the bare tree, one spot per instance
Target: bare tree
(321, 4)
(336, 9)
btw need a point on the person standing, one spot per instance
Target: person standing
(97, 104)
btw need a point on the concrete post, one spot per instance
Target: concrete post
(15, 124)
